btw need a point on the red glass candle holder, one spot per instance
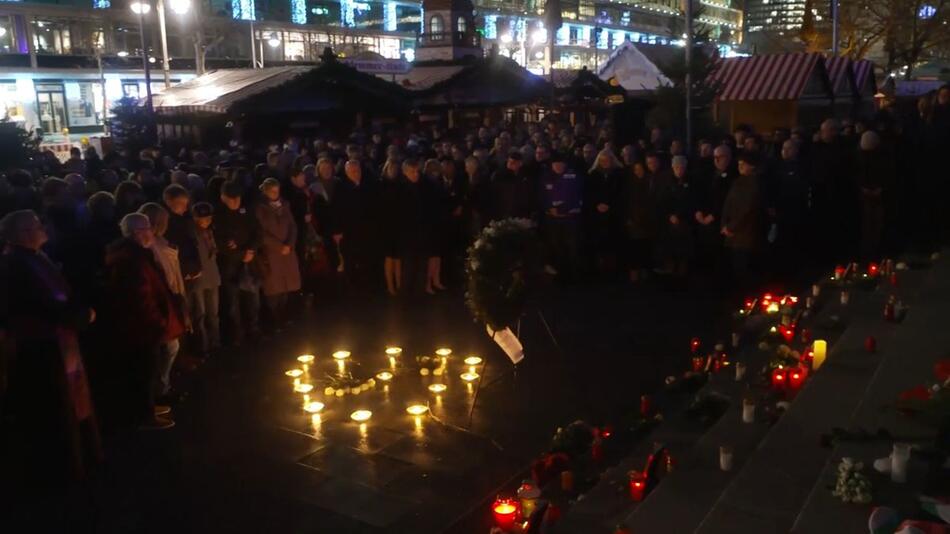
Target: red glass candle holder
(779, 377)
(646, 406)
(694, 345)
(698, 363)
(796, 377)
(638, 485)
(873, 270)
(505, 511)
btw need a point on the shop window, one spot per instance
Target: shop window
(51, 37)
(84, 103)
(6, 35)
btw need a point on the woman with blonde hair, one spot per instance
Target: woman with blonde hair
(601, 213)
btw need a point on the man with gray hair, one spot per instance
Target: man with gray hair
(710, 190)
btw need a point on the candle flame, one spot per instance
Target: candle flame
(361, 415)
(341, 355)
(303, 388)
(417, 409)
(314, 407)
(473, 360)
(443, 351)
(469, 377)
(385, 376)
(437, 388)
(293, 373)
(305, 358)
(393, 351)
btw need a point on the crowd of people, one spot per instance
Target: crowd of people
(112, 265)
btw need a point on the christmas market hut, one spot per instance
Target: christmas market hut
(852, 83)
(632, 69)
(771, 91)
(260, 104)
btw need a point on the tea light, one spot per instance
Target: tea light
(796, 377)
(424, 371)
(773, 307)
(899, 458)
(694, 344)
(293, 373)
(303, 388)
(417, 409)
(473, 360)
(341, 355)
(839, 272)
(361, 415)
(505, 512)
(385, 376)
(528, 494)
(638, 485)
(393, 351)
(873, 269)
(819, 353)
(305, 358)
(438, 371)
(437, 388)
(469, 377)
(444, 352)
(329, 391)
(698, 362)
(313, 407)
(340, 392)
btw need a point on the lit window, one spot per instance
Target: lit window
(461, 25)
(436, 26)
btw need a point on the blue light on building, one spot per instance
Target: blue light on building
(602, 39)
(101, 4)
(243, 9)
(562, 36)
(389, 16)
(347, 9)
(518, 31)
(926, 11)
(298, 11)
(491, 26)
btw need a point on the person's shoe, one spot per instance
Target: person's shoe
(162, 410)
(158, 423)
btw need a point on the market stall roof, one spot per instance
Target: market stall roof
(489, 81)
(217, 91)
(332, 85)
(841, 76)
(632, 69)
(864, 80)
(771, 77)
(577, 85)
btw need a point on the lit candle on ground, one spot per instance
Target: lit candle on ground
(393, 351)
(469, 377)
(778, 377)
(392, 362)
(417, 409)
(303, 388)
(899, 458)
(293, 373)
(341, 355)
(740, 371)
(361, 415)
(443, 351)
(505, 512)
(819, 353)
(313, 406)
(839, 272)
(341, 366)
(385, 376)
(646, 406)
(305, 358)
(473, 360)
(638, 485)
(698, 362)
(528, 494)
(694, 344)
(437, 388)
(796, 378)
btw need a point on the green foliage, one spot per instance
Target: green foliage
(18, 147)
(131, 126)
(500, 267)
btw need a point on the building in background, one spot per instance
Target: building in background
(775, 26)
(64, 63)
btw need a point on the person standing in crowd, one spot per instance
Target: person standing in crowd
(55, 424)
(438, 213)
(873, 174)
(167, 258)
(204, 302)
(561, 203)
(741, 219)
(787, 200)
(278, 240)
(638, 203)
(238, 239)
(828, 173)
(711, 191)
(601, 189)
(354, 213)
(312, 260)
(143, 316)
(392, 189)
(675, 233)
(510, 190)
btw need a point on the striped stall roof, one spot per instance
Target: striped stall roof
(864, 70)
(765, 77)
(838, 74)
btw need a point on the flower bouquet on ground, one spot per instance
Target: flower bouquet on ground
(852, 485)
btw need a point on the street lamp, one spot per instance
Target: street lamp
(140, 8)
(179, 7)
(273, 41)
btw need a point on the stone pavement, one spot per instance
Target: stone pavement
(778, 482)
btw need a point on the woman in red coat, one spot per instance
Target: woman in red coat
(143, 315)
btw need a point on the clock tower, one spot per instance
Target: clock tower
(448, 32)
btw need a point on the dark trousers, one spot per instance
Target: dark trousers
(561, 240)
(242, 308)
(203, 305)
(146, 376)
(277, 307)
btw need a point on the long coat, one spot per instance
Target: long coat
(49, 392)
(281, 271)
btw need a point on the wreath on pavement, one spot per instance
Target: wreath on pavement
(501, 267)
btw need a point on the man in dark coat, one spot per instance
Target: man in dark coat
(511, 191)
(741, 219)
(49, 393)
(354, 214)
(787, 204)
(834, 201)
(710, 193)
(238, 239)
